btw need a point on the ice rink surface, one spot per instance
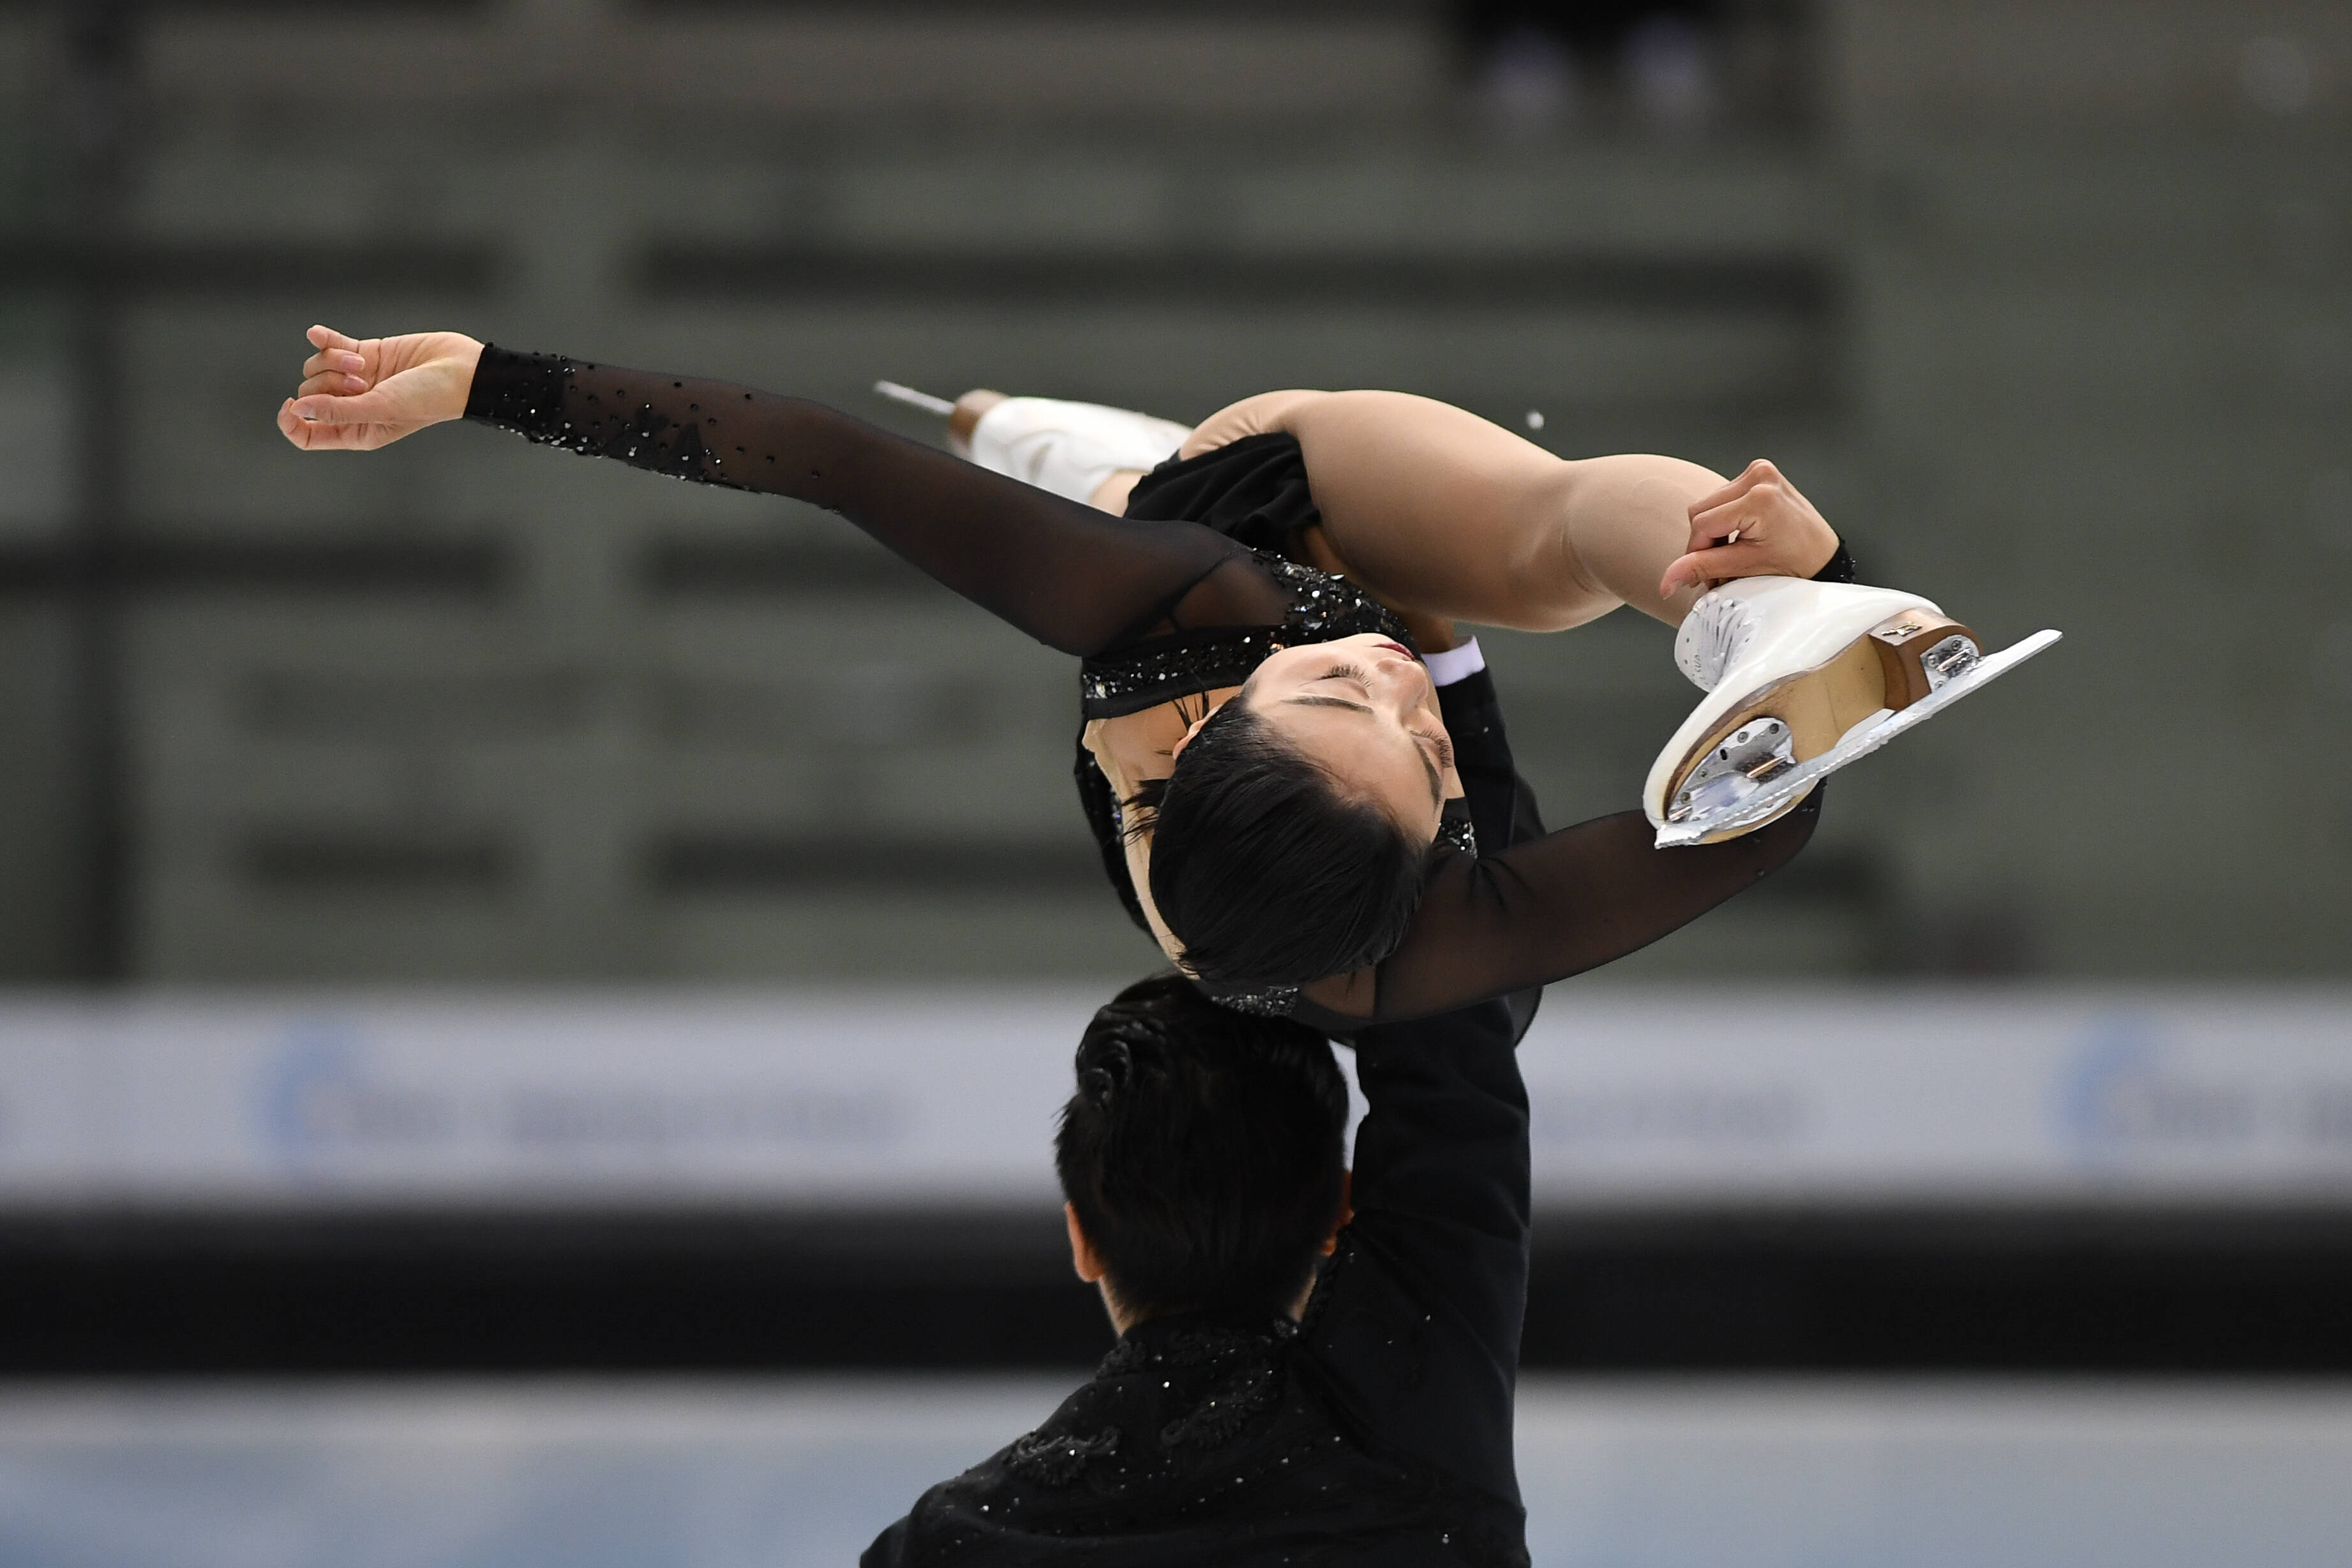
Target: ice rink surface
(1634, 1473)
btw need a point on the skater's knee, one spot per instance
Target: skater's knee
(1263, 415)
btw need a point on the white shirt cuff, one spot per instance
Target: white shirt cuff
(1455, 663)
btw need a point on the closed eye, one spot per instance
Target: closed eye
(1436, 759)
(1439, 744)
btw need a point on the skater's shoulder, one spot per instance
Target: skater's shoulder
(1190, 1438)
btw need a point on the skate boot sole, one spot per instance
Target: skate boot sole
(1752, 771)
(1801, 716)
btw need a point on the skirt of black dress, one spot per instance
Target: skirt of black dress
(1254, 491)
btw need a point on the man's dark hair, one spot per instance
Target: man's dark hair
(1203, 1152)
(1264, 869)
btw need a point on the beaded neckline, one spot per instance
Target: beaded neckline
(1322, 608)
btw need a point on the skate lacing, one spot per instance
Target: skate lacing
(1712, 637)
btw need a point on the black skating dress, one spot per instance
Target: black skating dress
(1156, 608)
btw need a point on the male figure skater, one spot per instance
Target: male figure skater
(1311, 1367)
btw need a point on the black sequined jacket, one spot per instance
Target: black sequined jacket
(1377, 1434)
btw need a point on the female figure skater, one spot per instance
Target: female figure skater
(1296, 859)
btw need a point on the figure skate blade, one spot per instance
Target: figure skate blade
(1777, 793)
(913, 399)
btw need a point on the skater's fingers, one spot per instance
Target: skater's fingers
(311, 435)
(1718, 564)
(1756, 472)
(1753, 515)
(321, 408)
(327, 337)
(305, 433)
(1760, 489)
(331, 383)
(1769, 505)
(376, 407)
(1720, 496)
(344, 360)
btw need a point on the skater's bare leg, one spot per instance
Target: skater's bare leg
(1261, 415)
(1438, 510)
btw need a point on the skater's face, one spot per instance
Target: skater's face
(1364, 708)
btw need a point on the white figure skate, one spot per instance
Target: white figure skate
(1803, 677)
(1070, 448)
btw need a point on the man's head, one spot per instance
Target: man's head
(1201, 1156)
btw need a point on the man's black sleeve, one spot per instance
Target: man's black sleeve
(1502, 807)
(1418, 1319)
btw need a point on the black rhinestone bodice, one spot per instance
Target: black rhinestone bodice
(1322, 608)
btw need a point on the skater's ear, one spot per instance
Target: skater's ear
(1207, 713)
(1186, 738)
(1089, 1267)
(1083, 1256)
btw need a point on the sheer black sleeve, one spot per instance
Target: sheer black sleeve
(1547, 908)
(1074, 578)
(1552, 907)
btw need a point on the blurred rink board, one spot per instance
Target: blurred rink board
(945, 1099)
(785, 1473)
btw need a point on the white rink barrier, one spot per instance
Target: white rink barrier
(946, 1098)
(800, 1472)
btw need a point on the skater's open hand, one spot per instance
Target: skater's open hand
(358, 394)
(1756, 525)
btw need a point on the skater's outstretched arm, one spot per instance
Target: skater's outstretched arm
(1066, 574)
(1549, 908)
(1438, 511)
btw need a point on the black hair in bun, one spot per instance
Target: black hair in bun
(1202, 1151)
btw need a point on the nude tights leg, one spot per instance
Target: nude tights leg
(1435, 509)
